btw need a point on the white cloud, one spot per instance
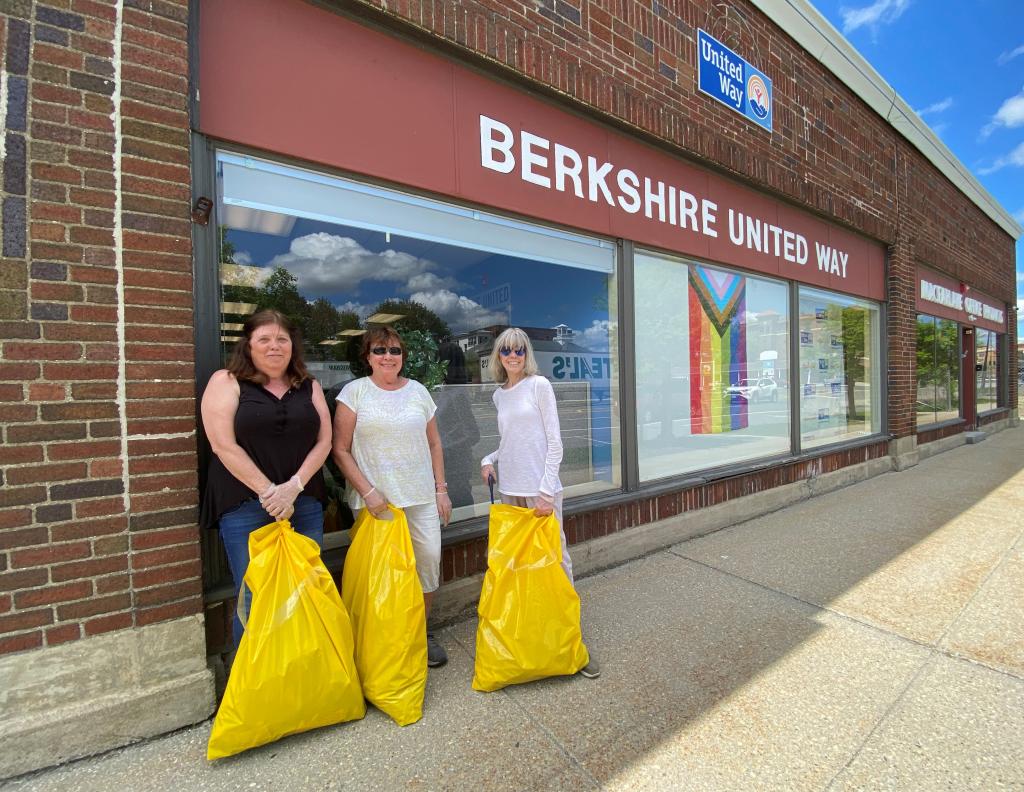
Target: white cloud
(461, 313)
(595, 337)
(324, 261)
(359, 309)
(1009, 115)
(937, 107)
(1014, 159)
(1006, 57)
(938, 129)
(1019, 217)
(878, 13)
(243, 257)
(428, 281)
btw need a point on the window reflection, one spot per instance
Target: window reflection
(338, 257)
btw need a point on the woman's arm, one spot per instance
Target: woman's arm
(444, 504)
(344, 428)
(218, 408)
(545, 396)
(318, 454)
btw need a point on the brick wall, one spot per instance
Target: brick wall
(98, 472)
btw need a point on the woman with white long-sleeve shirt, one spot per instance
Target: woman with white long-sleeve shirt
(530, 446)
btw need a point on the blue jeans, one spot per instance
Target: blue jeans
(237, 524)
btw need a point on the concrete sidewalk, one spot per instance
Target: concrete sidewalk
(870, 638)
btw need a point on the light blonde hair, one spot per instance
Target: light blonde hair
(513, 338)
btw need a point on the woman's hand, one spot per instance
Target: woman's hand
(487, 472)
(376, 503)
(542, 507)
(279, 500)
(444, 508)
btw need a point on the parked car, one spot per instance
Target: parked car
(755, 390)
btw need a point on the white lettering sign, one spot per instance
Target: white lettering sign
(553, 165)
(973, 307)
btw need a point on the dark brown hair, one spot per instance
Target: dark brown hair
(381, 335)
(241, 364)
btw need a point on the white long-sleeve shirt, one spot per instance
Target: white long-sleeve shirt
(530, 449)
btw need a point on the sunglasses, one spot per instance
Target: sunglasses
(506, 351)
(397, 351)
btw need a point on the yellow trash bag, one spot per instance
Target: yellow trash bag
(529, 612)
(294, 669)
(382, 591)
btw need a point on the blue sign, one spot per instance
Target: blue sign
(725, 76)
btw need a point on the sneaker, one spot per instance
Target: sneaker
(436, 655)
(591, 670)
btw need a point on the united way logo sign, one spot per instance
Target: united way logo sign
(725, 76)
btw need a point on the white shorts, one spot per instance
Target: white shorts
(425, 532)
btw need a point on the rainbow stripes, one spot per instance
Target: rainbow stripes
(718, 350)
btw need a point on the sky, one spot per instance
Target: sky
(960, 65)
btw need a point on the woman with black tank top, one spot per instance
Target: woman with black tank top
(268, 425)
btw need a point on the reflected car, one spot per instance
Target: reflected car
(755, 390)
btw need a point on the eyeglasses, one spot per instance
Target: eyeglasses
(387, 351)
(506, 351)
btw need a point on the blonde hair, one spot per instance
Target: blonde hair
(513, 338)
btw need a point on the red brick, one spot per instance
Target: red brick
(162, 447)
(46, 391)
(20, 643)
(93, 313)
(53, 594)
(85, 529)
(31, 474)
(14, 518)
(63, 634)
(82, 569)
(104, 624)
(105, 468)
(166, 537)
(27, 537)
(187, 480)
(108, 585)
(177, 610)
(56, 292)
(51, 554)
(26, 620)
(79, 371)
(94, 390)
(99, 507)
(161, 426)
(86, 449)
(17, 455)
(95, 606)
(49, 232)
(158, 595)
(18, 413)
(22, 350)
(26, 578)
(165, 555)
(166, 574)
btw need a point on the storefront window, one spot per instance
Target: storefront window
(712, 366)
(338, 256)
(938, 370)
(840, 383)
(987, 369)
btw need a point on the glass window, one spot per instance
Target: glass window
(987, 369)
(938, 370)
(338, 256)
(712, 366)
(840, 383)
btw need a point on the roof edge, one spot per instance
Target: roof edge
(807, 27)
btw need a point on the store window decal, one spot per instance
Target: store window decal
(718, 350)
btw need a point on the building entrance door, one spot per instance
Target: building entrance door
(968, 377)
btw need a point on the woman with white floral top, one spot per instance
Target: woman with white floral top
(388, 448)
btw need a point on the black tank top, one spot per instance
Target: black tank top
(277, 434)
